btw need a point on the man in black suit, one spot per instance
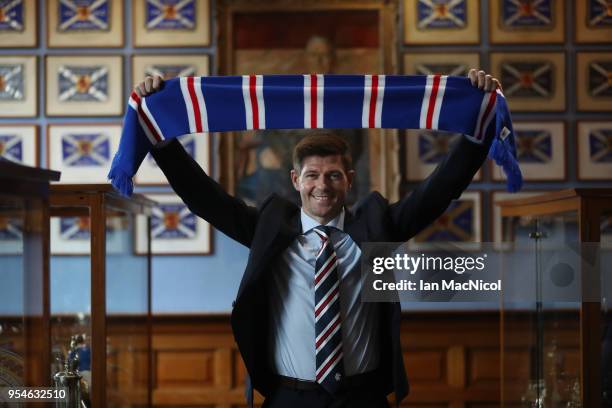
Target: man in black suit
(304, 335)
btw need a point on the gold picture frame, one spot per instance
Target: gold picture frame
(532, 81)
(19, 27)
(593, 159)
(321, 47)
(541, 23)
(446, 22)
(593, 22)
(98, 25)
(593, 86)
(187, 26)
(89, 85)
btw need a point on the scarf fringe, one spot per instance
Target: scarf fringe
(121, 181)
(501, 153)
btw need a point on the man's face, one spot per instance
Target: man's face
(323, 183)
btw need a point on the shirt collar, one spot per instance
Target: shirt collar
(308, 223)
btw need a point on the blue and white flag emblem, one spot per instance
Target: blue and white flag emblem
(599, 13)
(170, 71)
(83, 83)
(10, 229)
(527, 79)
(75, 228)
(434, 146)
(170, 14)
(11, 148)
(442, 69)
(188, 142)
(533, 146)
(600, 145)
(173, 221)
(12, 83)
(433, 14)
(84, 15)
(79, 150)
(527, 13)
(11, 15)
(600, 79)
(455, 225)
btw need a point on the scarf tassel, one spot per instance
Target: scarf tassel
(501, 153)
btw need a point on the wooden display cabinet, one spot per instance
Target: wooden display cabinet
(552, 350)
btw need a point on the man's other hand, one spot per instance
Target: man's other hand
(150, 85)
(483, 80)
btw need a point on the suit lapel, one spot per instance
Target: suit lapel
(355, 229)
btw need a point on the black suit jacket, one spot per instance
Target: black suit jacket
(269, 229)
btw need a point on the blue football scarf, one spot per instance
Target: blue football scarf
(256, 102)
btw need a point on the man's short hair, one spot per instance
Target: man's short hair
(322, 143)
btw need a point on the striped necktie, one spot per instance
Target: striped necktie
(327, 314)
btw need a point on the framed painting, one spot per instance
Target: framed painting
(531, 81)
(320, 37)
(168, 66)
(72, 235)
(423, 63)
(594, 84)
(594, 150)
(84, 85)
(85, 23)
(495, 224)
(198, 147)
(18, 86)
(83, 153)
(171, 23)
(19, 143)
(174, 229)
(593, 21)
(525, 22)
(460, 224)
(18, 27)
(441, 22)
(425, 150)
(540, 151)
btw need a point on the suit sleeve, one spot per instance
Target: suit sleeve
(433, 195)
(202, 195)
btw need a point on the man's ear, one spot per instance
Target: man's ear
(350, 176)
(294, 179)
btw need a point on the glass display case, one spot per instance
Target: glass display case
(24, 252)
(100, 292)
(556, 347)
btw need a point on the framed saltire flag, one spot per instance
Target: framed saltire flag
(594, 81)
(531, 81)
(85, 23)
(72, 235)
(441, 21)
(18, 23)
(83, 153)
(18, 86)
(461, 223)
(526, 21)
(593, 21)
(196, 144)
(19, 143)
(168, 66)
(422, 63)
(496, 228)
(540, 150)
(426, 149)
(11, 234)
(171, 23)
(84, 85)
(174, 229)
(594, 150)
